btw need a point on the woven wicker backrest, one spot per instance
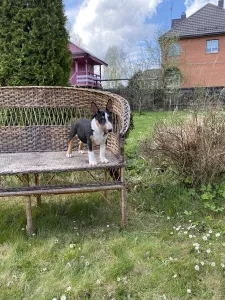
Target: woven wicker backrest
(39, 118)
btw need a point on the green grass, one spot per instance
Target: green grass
(79, 250)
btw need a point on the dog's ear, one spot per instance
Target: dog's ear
(94, 109)
(109, 106)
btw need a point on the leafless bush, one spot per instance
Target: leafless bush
(195, 146)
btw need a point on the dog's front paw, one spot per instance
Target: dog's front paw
(104, 160)
(68, 155)
(92, 163)
(81, 151)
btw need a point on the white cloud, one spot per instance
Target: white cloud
(102, 23)
(193, 5)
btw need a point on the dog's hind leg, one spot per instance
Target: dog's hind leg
(70, 146)
(80, 148)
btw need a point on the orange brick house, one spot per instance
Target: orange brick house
(200, 46)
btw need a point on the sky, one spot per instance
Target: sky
(124, 23)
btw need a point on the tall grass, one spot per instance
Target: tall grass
(195, 147)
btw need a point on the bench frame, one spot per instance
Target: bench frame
(38, 119)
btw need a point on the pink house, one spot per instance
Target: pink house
(83, 73)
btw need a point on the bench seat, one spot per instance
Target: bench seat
(42, 162)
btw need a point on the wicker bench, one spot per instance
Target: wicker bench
(34, 130)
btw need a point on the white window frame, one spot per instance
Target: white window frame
(210, 49)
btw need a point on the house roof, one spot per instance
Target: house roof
(207, 21)
(77, 51)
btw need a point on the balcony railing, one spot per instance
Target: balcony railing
(86, 79)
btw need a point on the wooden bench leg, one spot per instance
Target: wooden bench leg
(29, 226)
(123, 221)
(36, 181)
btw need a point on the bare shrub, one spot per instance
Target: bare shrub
(194, 146)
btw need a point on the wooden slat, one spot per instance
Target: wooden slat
(54, 189)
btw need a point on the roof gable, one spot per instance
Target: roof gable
(74, 49)
(209, 20)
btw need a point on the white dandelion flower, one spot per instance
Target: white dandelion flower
(202, 263)
(63, 297)
(208, 251)
(204, 238)
(213, 264)
(197, 268)
(68, 289)
(190, 236)
(188, 291)
(9, 283)
(118, 279)
(185, 232)
(222, 265)
(218, 234)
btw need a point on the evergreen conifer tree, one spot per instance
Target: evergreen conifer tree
(33, 43)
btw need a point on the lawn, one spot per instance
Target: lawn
(172, 248)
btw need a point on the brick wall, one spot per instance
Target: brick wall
(200, 68)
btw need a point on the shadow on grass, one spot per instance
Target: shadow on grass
(59, 214)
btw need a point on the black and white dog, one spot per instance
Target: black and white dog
(92, 132)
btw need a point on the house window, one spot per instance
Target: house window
(173, 50)
(212, 46)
